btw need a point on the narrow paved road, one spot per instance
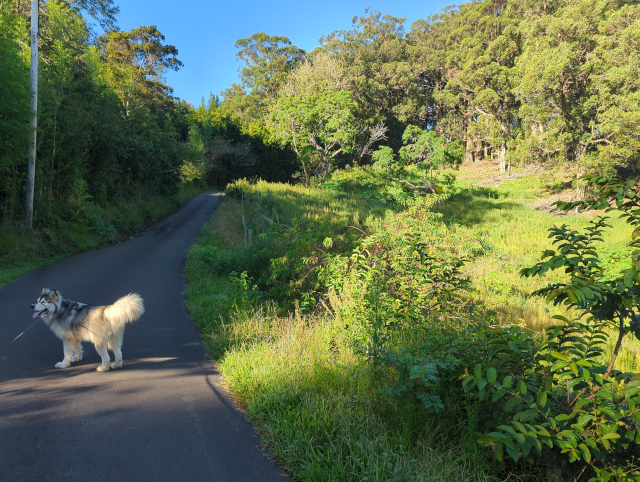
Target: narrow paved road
(163, 417)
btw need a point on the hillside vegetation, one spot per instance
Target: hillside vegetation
(391, 318)
(343, 323)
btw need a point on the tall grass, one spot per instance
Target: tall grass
(311, 397)
(299, 377)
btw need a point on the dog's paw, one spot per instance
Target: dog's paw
(102, 368)
(76, 358)
(62, 364)
(116, 365)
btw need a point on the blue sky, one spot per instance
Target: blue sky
(205, 32)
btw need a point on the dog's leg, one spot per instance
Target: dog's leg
(68, 353)
(77, 351)
(115, 343)
(101, 348)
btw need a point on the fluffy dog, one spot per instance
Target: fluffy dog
(76, 322)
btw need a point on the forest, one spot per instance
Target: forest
(426, 263)
(115, 148)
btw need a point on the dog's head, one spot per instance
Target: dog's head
(47, 303)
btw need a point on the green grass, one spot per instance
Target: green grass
(299, 377)
(23, 250)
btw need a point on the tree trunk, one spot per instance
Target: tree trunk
(502, 156)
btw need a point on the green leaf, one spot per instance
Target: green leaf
(528, 415)
(586, 453)
(507, 429)
(511, 404)
(522, 387)
(582, 421)
(477, 371)
(574, 368)
(628, 277)
(487, 439)
(507, 381)
(492, 375)
(520, 427)
(514, 453)
(498, 395)
(630, 393)
(542, 399)
(561, 356)
(610, 436)
(498, 452)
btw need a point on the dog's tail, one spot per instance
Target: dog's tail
(126, 310)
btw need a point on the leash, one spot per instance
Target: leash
(30, 326)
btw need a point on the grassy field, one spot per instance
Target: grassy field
(23, 250)
(300, 371)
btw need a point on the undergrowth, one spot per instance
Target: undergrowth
(342, 315)
(93, 226)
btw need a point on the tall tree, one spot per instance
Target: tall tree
(579, 82)
(138, 60)
(315, 114)
(267, 62)
(376, 62)
(482, 46)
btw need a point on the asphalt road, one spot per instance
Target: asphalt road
(163, 417)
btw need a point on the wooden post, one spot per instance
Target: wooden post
(31, 168)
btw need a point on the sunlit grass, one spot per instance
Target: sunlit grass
(309, 393)
(311, 397)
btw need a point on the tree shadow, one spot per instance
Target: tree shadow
(471, 206)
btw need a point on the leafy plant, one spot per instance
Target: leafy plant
(246, 290)
(424, 149)
(555, 393)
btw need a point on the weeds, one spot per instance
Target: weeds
(342, 334)
(23, 250)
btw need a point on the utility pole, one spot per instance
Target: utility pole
(31, 168)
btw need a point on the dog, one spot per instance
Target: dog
(76, 322)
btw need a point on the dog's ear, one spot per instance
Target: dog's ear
(45, 291)
(53, 296)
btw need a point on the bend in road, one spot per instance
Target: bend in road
(163, 417)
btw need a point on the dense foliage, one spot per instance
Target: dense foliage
(512, 80)
(109, 128)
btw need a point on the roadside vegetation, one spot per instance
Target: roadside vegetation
(343, 326)
(23, 249)
(116, 150)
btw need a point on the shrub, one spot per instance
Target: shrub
(555, 395)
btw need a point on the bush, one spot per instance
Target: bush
(556, 395)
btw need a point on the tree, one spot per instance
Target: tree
(377, 68)
(138, 59)
(578, 78)
(315, 115)
(424, 149)
(267, 62)
(14, 117)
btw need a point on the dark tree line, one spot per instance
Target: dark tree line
(109, 127)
